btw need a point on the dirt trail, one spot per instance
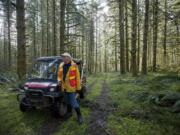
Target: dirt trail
(98, 115)
(52, 125)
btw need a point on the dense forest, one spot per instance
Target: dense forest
(128, 55)
(126, 36)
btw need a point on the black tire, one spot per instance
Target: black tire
(82, 92)
(59, 109)
(22, 106)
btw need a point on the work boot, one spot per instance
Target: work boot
(79, 116)
(69, 112)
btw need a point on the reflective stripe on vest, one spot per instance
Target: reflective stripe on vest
(72, 77)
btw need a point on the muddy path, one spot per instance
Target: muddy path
(98, 116)
(51, 125)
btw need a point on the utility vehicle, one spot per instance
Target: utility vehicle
(41, 89)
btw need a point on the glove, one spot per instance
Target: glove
(59, 83)
(81, 94)
(78, 91)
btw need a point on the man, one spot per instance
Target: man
(69, 77)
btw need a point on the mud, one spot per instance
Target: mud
(98, 116)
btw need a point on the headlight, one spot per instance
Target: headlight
(25, 87)
(52, 89)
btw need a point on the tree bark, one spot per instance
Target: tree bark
(4, 45)
(42, 31)
(9, 33)
(91, 46)
(145, 37)
(47, 28)
(21, 39)
(138, 36)
(34, 37)
(121, 31)
(96, 46)
(115, 47)
(155, 32)
(165, 33)
(54, 27)
(133, 38)
(127, 38)
(62, 25)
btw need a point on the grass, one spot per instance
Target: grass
(95, 92)
(124, 96)
(129, 126)
(29, 123)
(13, 121)
(70, 127)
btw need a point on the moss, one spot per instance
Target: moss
(160, 121)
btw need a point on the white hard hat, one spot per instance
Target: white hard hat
(66, 55)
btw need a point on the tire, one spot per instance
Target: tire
(22, 106)
(59, 109)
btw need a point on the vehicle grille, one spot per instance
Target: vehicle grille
(35, 95)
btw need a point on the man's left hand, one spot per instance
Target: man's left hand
(78, 91)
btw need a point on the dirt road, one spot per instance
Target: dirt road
(98, 115)
(97, 119)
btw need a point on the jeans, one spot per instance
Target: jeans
(70, 99)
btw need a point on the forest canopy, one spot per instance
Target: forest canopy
(117, 35)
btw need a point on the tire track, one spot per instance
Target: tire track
(98, 115)
(51, 126)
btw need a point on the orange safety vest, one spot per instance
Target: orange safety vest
(72, 81)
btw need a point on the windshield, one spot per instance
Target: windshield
(45, 70)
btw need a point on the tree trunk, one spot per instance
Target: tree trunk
(42, 31)
(62, 25)
(139, 36)
(165, 33)
(21, 39)
(115, 47)
(91, 46)
(155, 32)
(4, 45)
(133, 38)
(47, 28)
(54, 27)
(34, 37)
(127, 38)
(121, 32)
(105, 55)
(145, 37)
(96, 48)
(9, 33)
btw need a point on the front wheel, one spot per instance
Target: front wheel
(22, 106)
(59, 109)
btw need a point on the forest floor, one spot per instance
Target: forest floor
(114, 105)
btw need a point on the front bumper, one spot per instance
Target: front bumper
(38, 98)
